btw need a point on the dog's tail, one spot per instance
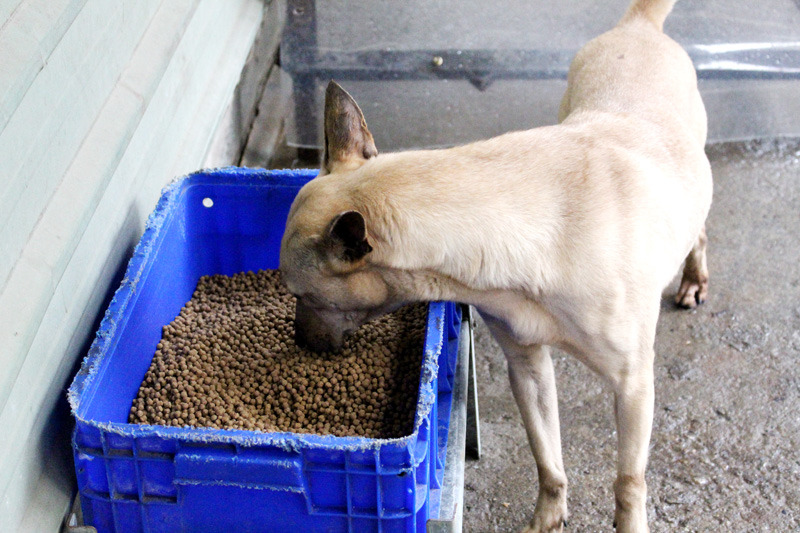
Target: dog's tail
(655, 11)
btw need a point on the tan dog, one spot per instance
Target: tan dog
(560, 236)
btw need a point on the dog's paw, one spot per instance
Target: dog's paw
(547, 522)
(692, 292)
(628, 526)
(550, 515)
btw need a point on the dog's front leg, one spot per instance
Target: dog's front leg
(533, 384)
(633, 409)
(530, 371)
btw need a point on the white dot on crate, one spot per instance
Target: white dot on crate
(208, 202)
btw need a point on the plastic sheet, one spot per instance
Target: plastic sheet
(432, 74)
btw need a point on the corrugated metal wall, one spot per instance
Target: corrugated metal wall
(101, 103)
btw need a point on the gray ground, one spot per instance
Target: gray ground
(725, 452)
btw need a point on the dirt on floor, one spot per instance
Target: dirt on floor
(725, 451)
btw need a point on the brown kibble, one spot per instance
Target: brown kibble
(229, 360)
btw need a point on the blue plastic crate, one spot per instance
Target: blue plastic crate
(135, 478)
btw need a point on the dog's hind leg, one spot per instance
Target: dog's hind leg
(694, 284)
(633, 410)
(530, 371)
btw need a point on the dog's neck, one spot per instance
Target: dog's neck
(448, 220)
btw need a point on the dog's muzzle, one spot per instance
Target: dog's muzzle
(313, 332)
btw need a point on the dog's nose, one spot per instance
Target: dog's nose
(313, 332)
(316, 343)
(312, 338)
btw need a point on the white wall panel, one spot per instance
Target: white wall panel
(155, 119)
(52, 119)
(27, 38)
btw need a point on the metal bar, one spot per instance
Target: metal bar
(73, 522)
(484, 66)
(451, 507)
(300, 35)
(473, 443)
(478, 66)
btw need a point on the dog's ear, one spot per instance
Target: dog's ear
(348, 142)
(348, 234)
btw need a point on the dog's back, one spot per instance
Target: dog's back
(636, 69)
(633, 91)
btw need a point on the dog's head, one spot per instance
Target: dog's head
(325, 252)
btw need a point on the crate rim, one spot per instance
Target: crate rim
(114, 319)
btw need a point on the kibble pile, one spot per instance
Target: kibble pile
(229, 360)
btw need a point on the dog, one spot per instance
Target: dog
(561, 236)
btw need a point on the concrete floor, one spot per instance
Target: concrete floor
(725, 452)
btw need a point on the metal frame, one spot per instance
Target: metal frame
(473, 443)
(301, 58)
(451, 507)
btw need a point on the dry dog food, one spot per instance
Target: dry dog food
(229, 360)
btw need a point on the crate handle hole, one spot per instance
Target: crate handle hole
(208, 202)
